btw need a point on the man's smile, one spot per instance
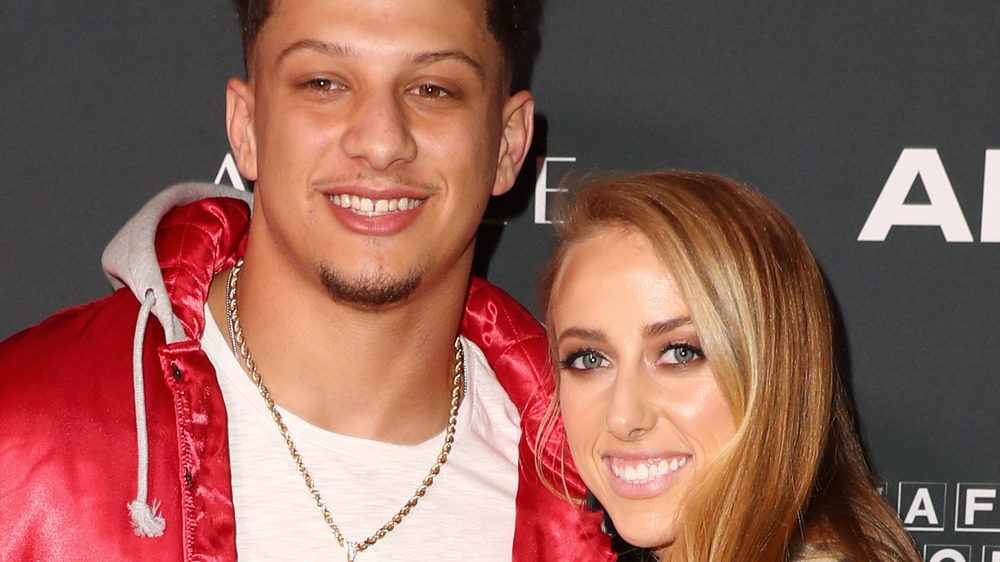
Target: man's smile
(374, 207)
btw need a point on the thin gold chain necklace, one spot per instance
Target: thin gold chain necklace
(352, 547)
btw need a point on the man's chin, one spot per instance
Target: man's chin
(368, 291)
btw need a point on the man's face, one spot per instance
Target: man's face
(376, 132)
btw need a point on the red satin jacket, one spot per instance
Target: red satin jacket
(68, 462)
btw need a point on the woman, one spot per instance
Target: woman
(695, 372)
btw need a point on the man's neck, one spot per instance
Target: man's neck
(383, 375)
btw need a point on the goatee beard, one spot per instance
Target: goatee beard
(368, 291)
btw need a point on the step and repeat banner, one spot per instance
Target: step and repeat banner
(874, 125)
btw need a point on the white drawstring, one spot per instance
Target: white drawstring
(145, 520)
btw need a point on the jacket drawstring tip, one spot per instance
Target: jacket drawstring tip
(145, 520)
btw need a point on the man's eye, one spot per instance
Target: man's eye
(431, 91)
(585, 360)
(323, 85)
(681, 354)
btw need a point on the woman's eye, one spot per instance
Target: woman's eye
(585, 360)
(681, 354)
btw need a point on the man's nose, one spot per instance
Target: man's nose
(379, 130)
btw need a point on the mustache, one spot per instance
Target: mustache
(391, 179)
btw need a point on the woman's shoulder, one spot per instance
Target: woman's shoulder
(824, 553)
(819, 542)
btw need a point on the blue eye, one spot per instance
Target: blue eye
(584, 360)
(681, 354)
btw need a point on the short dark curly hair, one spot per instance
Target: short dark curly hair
(513, 23)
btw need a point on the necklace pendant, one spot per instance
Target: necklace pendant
(352, 550)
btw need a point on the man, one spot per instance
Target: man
(301, 391)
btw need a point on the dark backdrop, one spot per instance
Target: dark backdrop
(821, 106)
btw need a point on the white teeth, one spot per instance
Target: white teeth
(372, 207)
(647, 471)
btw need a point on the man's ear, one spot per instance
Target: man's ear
(239, 127)
(518, 128)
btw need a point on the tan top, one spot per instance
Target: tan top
(818, 554)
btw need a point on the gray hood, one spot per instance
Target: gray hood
(130, 261)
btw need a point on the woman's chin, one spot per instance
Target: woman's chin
(643, 534)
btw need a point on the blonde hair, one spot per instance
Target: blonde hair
(794, 477)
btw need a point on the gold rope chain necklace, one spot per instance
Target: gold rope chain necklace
(352, 547)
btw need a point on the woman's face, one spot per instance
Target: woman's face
(642, 408)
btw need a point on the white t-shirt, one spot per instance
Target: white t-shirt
(467, 514)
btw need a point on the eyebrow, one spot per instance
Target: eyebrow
(346, 52)
(659, 328)
(648, 331)
(327, 48)
(583, 334)
(452, 55)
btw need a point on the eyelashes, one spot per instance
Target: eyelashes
(673, 354)
(680, 354)
(584, 360)
(330, 86)
(432, 91)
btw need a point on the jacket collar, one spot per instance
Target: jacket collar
(154, 252)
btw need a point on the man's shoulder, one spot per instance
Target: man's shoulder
(70, 370)
(66, 384)
(70, 327)
(68, 348)
(68, 432)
